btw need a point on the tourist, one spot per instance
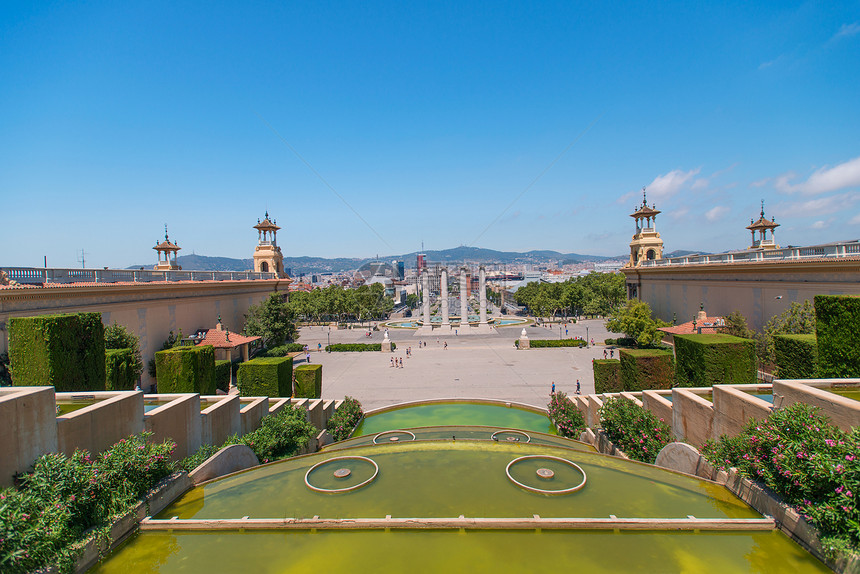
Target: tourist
(392, 361)
(611, 353)
(446, 345)
(401, 362)
(319, 347)
(577, 387)
(604, 353)
(308, 356)
(552, 392)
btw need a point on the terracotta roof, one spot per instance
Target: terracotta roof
(218, 339)
(710, 325)
(166, 246)
(644, 210)
(763, 222)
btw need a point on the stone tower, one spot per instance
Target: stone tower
(763, 225)
(646, 244)
(267, 254)
(167, 254)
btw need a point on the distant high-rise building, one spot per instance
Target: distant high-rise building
(400, 266)
(422, 262)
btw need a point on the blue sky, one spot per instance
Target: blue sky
(429, 120)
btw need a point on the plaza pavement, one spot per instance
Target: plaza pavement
(473, 366)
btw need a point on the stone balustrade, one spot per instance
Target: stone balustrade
(41, 276)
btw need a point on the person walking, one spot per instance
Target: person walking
(578, 387)
(446, 345)
(319, 347)
(553, 388)
(604, 354)
(401, 362)
(392, 361)
(308, 356)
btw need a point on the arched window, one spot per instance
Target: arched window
(264, 267)
(651, 255)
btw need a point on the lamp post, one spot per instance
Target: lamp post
(559, 332)
(586, 337)
(328, 347)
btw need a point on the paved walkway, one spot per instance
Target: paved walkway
(474, 366)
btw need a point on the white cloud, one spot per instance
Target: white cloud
(824, 179)
(855, 220)
(848, 30)
(700, 183)
(819, 206)
(679, 213)
(820, 224)
(671, 183)
(760, 183)
(716, 213)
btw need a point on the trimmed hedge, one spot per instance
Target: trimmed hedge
(356, 347)
(186, 370)
(265, 377)
(714, 359)
(646, 369)
(283, 350)
(607, 376)
(538, 343)
(308, 381)
(64, 351)
(796, 356)
(223, 374)
(120, 370)
(622, 342)
(836, 326)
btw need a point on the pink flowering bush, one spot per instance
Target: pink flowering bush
(342, 422)
(636, 431)
(568, 420)
(55, 505)
(811, 463)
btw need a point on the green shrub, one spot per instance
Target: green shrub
(5, 374)
(223, 374)
(283, 350)
(621, 342)
(344, 419)
(266, 377)
(280, 435)
(538, 343)
(796, 356)
(186, 370)
(567, 418)
(120, 370)
(809, 462)
(706, 360)
(356, 347)
(308, 381)
(43, 521)
(607, 376)
(633, 429)
(837, 320)
(64, 351)
(646, 369)
(118, 337)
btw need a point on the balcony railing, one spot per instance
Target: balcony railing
(831, 251)
(39, 275)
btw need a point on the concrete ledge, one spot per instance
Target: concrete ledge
(658, 404)
(692, 417)
(277, 404)
(252, 413)
(594, 402)
(179, 420)
(733, 408)
(844, 412)
(227, 460)
(99, 426)
(220, 420)
(28, 428)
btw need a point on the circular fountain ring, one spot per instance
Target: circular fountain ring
(546, 457)
(394, 439)
(349, 488)
(528, 438)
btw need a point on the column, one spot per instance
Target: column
(443, 288)
(482, 285)
(464, 303)
(426, 295)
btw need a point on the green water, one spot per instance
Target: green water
(461, 433)
(432, 552)
(430, 479)
(848, 393)
(455, 414)
(151, 405)
(66, 407)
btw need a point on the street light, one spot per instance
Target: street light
(328, 347)
(586, 337)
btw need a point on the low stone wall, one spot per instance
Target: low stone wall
(96, 427)
(658, 404)
(692, 417)
(178, 420)
(28, 428)
(733, 408)
(220, 420)
(252, 414)
(844, 412)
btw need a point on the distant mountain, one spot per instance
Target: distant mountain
(682, 253)
(306, 265)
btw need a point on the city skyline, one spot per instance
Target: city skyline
(374, 129)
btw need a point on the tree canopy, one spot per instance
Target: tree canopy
(592, 294)
(271, 319)
(118, 337)
(340, 304)
(635, 321)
